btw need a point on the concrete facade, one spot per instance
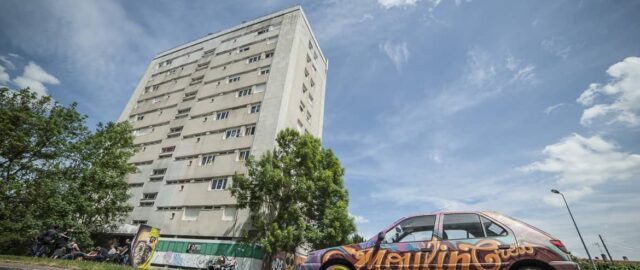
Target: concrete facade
(201, 107)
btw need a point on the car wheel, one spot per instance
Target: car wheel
(530, 268)
(338, 266)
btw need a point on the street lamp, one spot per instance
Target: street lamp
(574, 223)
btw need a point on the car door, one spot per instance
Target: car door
(405, 244)
(468, 245)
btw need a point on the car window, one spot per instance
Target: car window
(492, 229)
(413, 229)
(462, 226)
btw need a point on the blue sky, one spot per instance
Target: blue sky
(430, 105)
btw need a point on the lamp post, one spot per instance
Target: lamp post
(578, 230)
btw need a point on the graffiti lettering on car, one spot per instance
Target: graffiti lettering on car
(483, 255)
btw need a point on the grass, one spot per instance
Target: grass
(63, 263)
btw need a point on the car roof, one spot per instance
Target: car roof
(450, 212)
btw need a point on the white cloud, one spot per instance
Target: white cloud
(580, 163)
(6, 62)
(398, 53)
(359, 219)
(485, 76)
(4, 76)
(557, 47)
(35, 77)
(552, 108)
(96, 39)
(622, 94)
(396, 3)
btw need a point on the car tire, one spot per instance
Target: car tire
(337, 266)
(530, 268)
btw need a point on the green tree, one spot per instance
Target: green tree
(295, 195)
(55, 171)
(356, 239)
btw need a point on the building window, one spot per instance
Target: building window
(219, 184)
(149, 196)
(207, 160)
(308, 116)
(310, 45)
(142, 131)
(304, 88)
(302, 106)
(268, 55)
(203, 65)
(255, 108)
(243, 155)
(308, 58)
(146, 204)
(310, 99)
(234, 79)
(184, 111)
(140, 117)
(141, 222)
(174, 132)
(249, 130)
(197, 80)
(243, 49)
(166, 63)
(209, 52)
(312, 83)
(244, 92)
(272, 40)
(232, 133)
(222, 115)
(191, 213)
(159, 171)
(306, 72)
(229, 213)
(253, 59)
(168, 149)
(260, 88)
(299, 126)
(264, 71)
(262, 31)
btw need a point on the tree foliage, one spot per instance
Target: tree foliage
(295, 195)
(54, 171)
(356, 239)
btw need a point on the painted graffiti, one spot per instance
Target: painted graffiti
(431, 255)
(287, 261)
(206, 261)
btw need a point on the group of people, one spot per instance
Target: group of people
(63, 247)
(115, 253)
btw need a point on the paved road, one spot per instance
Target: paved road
(21, 266)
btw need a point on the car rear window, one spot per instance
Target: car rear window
(492, 229)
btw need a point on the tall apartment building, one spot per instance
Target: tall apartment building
(201, 109)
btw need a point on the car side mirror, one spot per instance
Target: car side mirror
(379, 239)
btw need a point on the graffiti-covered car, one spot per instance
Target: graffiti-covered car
(448, 241)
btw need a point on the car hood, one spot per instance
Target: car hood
(316, 255)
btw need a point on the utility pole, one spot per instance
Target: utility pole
(578, 230)
(605, 247)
